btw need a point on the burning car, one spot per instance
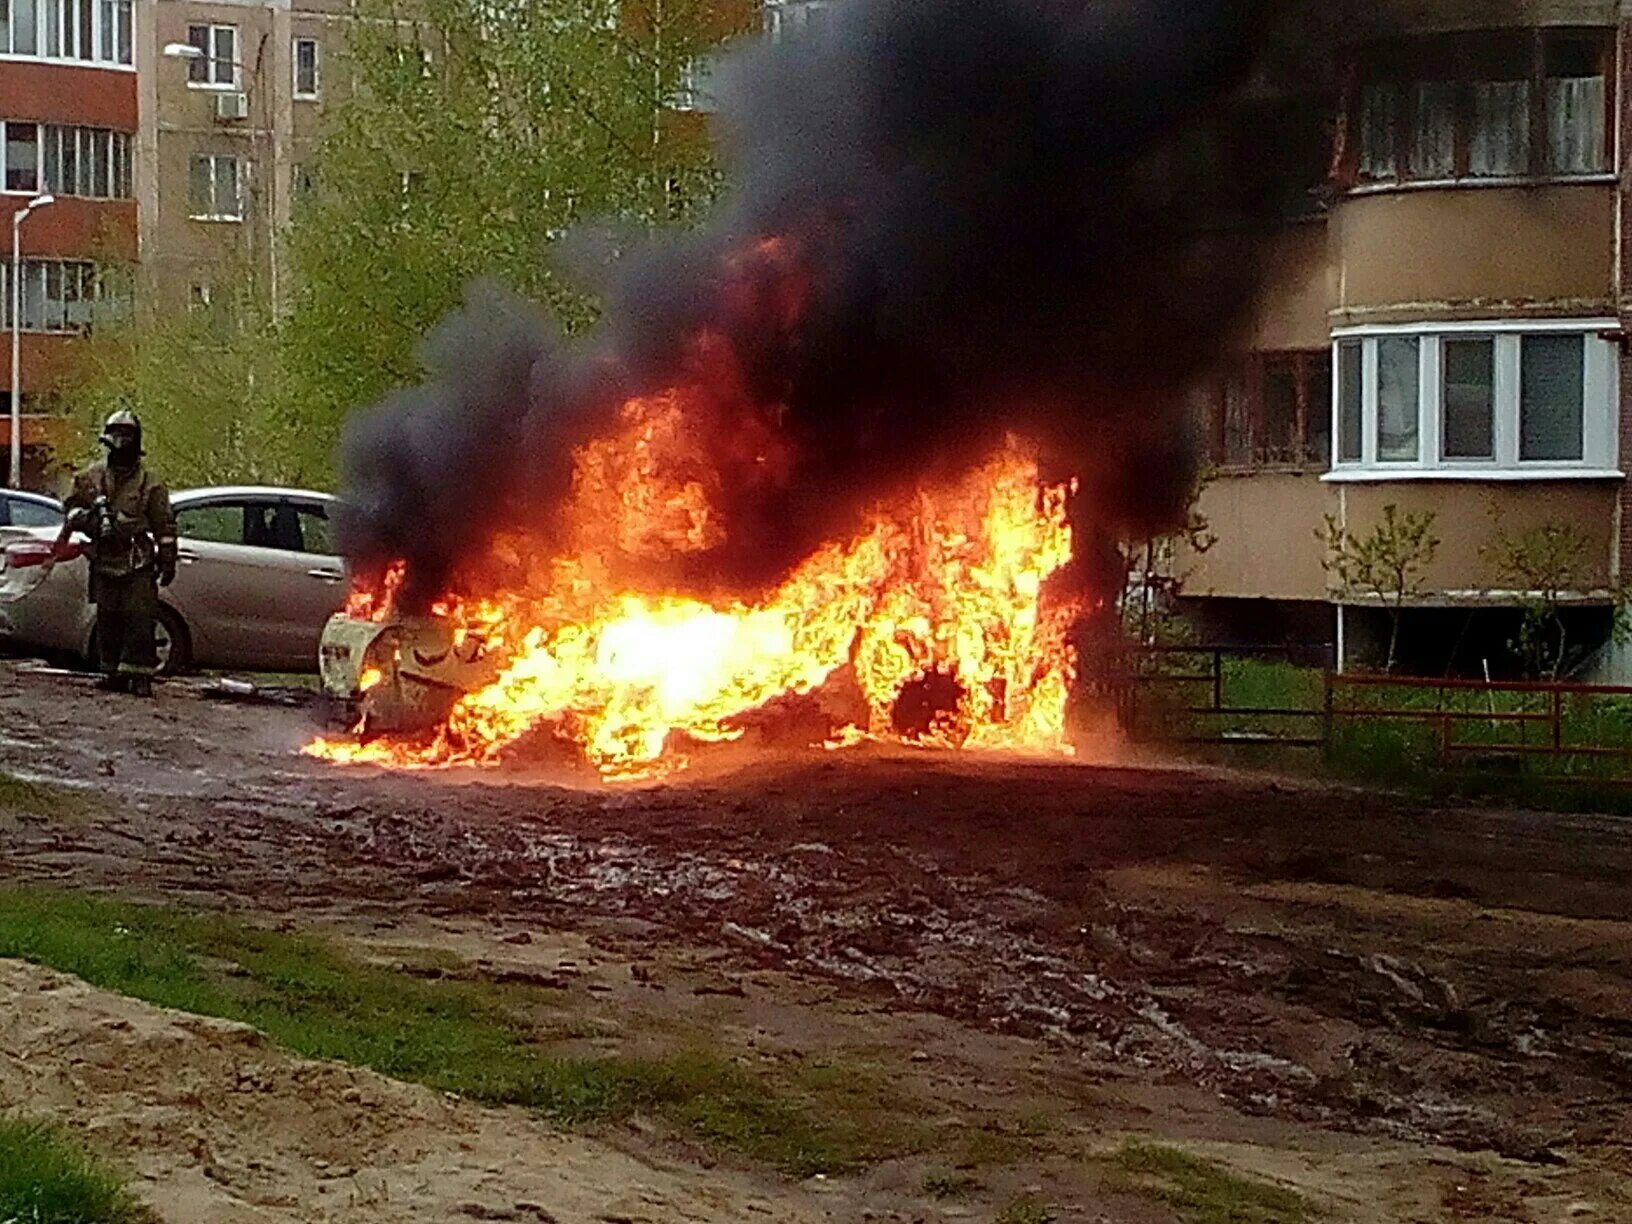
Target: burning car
(848, 434)
(403, 674)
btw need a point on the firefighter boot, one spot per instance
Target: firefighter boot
(111, 683)
(141, 686)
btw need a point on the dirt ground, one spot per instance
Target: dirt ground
(1407, 1013)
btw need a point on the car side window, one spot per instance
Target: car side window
(214, 524)
(32, 514)
(317, 532)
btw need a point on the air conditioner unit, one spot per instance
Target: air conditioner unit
(231, 106)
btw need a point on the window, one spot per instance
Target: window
(33, 514)
(89, 31)
(317, 533)
(213, 524)
(697, 90)
(1488, 105)
(215, 188)
(1477, 399)
(217, 67)
(64, 295)
(273, 525)
(790, 18)
(306, 68)
(1351, 391)
(68, 161)
(1550, 389)
(1468, 393)
(1274, 409)
(22, 156)
(1398, 402)
(198, 296)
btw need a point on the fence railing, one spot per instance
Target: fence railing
(1213, 695)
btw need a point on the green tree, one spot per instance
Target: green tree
(466, 148)
(1546, 566)
(466, 138)
(1153, 579)
(209, 387)
(1385, 564)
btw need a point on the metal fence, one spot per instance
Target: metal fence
(1548, 731)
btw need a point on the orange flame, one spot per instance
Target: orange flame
(948, 582)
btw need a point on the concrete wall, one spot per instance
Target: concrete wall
(279, 135)
(1266, 527)
(1474, 252)
(1470, 516)
(1298, 287)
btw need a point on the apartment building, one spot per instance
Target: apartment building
(232, 94)
(1444, 332)
(68, 125)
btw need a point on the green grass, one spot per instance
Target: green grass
(456, 1035)
(47, 1178)
(39, 799)
(1402, 751)
(1202, 1191)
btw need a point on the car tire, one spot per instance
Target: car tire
(180, 659)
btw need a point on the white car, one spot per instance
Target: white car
(257, 577)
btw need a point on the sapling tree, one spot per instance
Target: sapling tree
(1386, 564)
(1547, 567)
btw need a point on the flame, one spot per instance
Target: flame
(946, 584)
(370, 677)
(950, 583)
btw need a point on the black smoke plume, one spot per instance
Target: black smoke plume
(990, 216)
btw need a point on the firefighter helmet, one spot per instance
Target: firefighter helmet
(122, 430)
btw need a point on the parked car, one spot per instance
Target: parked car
(258, 576)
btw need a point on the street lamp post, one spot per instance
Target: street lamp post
(17, 219)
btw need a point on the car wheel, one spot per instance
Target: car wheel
(174, 643)
(171, 642)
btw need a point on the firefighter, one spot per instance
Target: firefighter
(125, 512)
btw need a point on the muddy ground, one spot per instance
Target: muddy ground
(1405, 1012)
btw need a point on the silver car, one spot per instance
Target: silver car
(258, 575)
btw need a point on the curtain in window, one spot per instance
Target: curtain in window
(1551, 385)
(1279, 443)
(1575, 125)
(1379, 110)
(1397, 395)
(1350, 392)
(1433, 130)
(1499, 144)
(198, 188)
(1468, 398)
(1237, 430)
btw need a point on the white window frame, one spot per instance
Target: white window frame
(696, 91)
(1600, 417)
(94, 292)
(68, 50)
(39, 158)
(215, 160)
(316, 92)
(211, 57)
(790, 18)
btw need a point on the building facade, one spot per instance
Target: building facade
(1446, 335)
(69, 117)
(232, 98)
